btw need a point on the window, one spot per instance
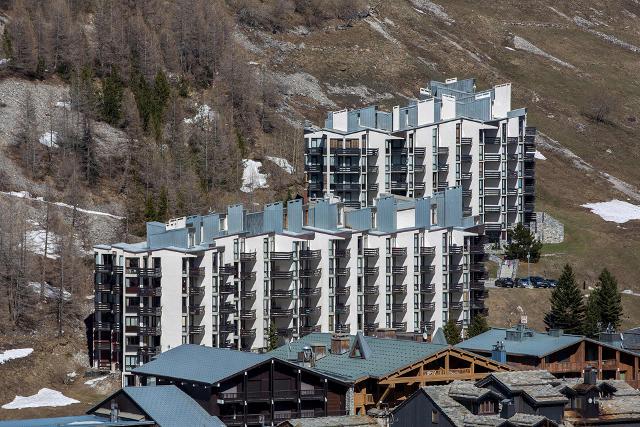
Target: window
(434, 416)
(131, 362)
(485, 408)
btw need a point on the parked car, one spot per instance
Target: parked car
(538, 282)
(504, 282)
(523, 282)
(552, 283)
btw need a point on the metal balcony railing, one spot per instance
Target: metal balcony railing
(281, 256)
(247, 256)
(427, 250)
(427, 288)
(427, 268)
(427, 306)
(372, 252)
(281, 274)
(196, 329)
(399, 307)
(310, 254)
(399, 251)
(371, 290)
(399, 269)
(307, 292)
(226, 270)
(281, 293)
(247, 314)
(399, 289)
(371, 308)
(313, 272)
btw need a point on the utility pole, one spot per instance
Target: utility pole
(528, 273)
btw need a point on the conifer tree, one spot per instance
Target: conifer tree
(149, 210)
(523, 242)
(567, 307)
(163, 205)
(452, 332)
(478, 326)
(272, 337)
(112, 93)
(592, 323)
(610, 302)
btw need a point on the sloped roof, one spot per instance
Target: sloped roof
(336, 421)
(385, 356)
(538, 344)
(207, 365)
(75, 420)
(169, 406)
(539, 385)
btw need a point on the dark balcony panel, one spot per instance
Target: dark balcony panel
(419, 151)
(308, 311)
(346, 151)
(150, 330)
(247, 256)
(371, 327)
(227, 308)
(102, 287)
(399, 289)
(428, 325)
(281, 293)
(455, 305)
(342, 253)
(351, 186)
(285, 256)
(196, 309)
(312, 394)
(427, 250)
(228, 328)
(455, 249)
(103, 268)
(456, 287)
(371, 290)
(196, 329)
(343, 329)
(530, 131)
(197, 290)
(247, 333)
(372, 151)
(345, 169)
(395, 185)
(341, 271)
(341, 309)
(427, 268)
(226, 270)
(492, 140)
(427, 288)
(373, 187)
(442, 168)
(149, 351)
(313, 168)
(314, 272)
(465, 141)
(309, 329)
(307, 292)
(228, 288)
(399, 270)
(281, 274)
(196, 272)
(399, 251)
(285, 332)
(310, 254)
(247, 294)
(465, 175)
(371, 308)
(398, 168)
(419, 186)
(399, 307)
(281, 312)
(343, 291)
(400, 326)
(466, 158)
(455, 268)
(150, 311)
(247, 275)
(247, 314)
(370, 271)
(427, 306)
(102, 306)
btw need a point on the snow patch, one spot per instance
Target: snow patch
(36, 242)
(252, 179)
(63, 104)
(378, 26)
(17, 353)
(4, 61)
(204, 114)
(45, 397)
(95, 381)
(539, 156)
(49, 139)
(510, 48)
(423, 6)
(27, 195)
(52, 292)
(522, 44)
(283, 163)
(617, 211)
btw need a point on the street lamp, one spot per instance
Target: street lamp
(528, 274)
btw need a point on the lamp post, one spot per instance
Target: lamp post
(528, 274)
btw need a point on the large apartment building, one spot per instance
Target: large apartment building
(226, 280)
(451, 136)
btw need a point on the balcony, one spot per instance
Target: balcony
(372, 169)
(427, 268)
(308, 292)
(247, 333)
(491, 174)
(529, 189)
(196, 329)
(145, 272)
(370, 271)
(196, 272)
(400, 326)
(149, 351)
(228, 289)
(102, 326)
(247, 294)
(313, 168)
(492, 140)
(226, 270)
(285, 332)
(466, 158)
(399, 251)
(150, 311)
(342, 253)
(227, 308)
(281, 274)
(465, 175)
(196, 290)
(398, 168)
(315, 186)
(150, 330)
(419, 186)
(312, 394)
(428, 306)
(372, 252)
(281, 293)
(419, 151)
(102, 306)
(491, 191)
(345, 169)
(456, 287)
(371, 327)
(399, 307)
(103, 287)
(308, 311)
(492, 157)
(341, 272)
(476, 267)
(281, 312)
(196, 310)
(341, 309)
(373, 187)
(247, 314)
(399, 269)
(399, 289)
(306, 329)
(346, 151)
(103, 268)
(306, 273)
(150, 292)
(398, 151)
(372, 151)
(310, 254)
(465, 141)
(427, 288)
(492, 208)
(247, 256)
(352, 186)
(442, 186)
(428, 325)
(455, 249)
(284, 256)
(371, 290)
(247, 275)
(395, 185)
(343, 329)
(442, 167)
(530, 131)
(455, 306)
(371, 308)
(427, 250)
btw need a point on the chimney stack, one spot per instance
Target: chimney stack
(590, 375)
(319, 350)
(340, 343)
(508, 409)
(386, 333)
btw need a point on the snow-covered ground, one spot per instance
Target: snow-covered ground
(36, 242)
(16, 353)
(93, 382)
(63, 104)
(49, 139)
(27, 195)
(49, 291)
(203, 114)
(615, 210)
(252, 179)
(45, 397)
(283, 163)
(539, 156)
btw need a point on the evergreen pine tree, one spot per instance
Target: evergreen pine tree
(149, 210)
(163, 205)
(452, 332)
(523, 242)
(610, 300)
(272, 337)
(112, 93)
(478, 326)
(567, 307)
(592, 323)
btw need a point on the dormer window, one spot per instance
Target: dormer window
(486, 408)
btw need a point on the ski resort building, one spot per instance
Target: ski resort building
(451, 136)
(242, 279)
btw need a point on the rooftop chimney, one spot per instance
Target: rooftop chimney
(590, 375)
(508, 409)
(386, 333)
(340, 343)
(319, 350)
(498, 353)
(555, 332)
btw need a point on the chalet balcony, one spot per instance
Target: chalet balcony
(355, 205)
(247, 333)
(196, 310)
(341, 272)
(308, 292)
(399, 307)
(228, 328)
(196, 272)
(491, 191)
(308, 311)
(313, 272)
(312, 394)
(102, 306)
(228, 288)
(427, 250)
(102, 344)
(196, 290)
(247, 314)
(150, 330)
(102, 326)
(341, 309)
(247, 256)
(342, 291)
(372, 252)
(314, 150)
(150, 292)
(247, 294)
(419, 151)
(306, 329)
(145, 272)
(227, 270)
(310, 254)
(149, 351)
(313, 168)
(278, 256)
(371, 290)
(196, 329)
(227, 308)
(455, 249)
(281, 293)
(399, 251)
(396, 185)
(281, 312)
(427, 288)
(492, 208)
(284, 275)
(492, 174)
(455, 306)
(399, 269)
(427, 268)
(343, 329)
(370, 271)
(371, 327)
(428, 306)
(400, 326)
(346, 151)
(371, 308)
(342, 253)
(150, 311)
(399, 289)
(419, 186)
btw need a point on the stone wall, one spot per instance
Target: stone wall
(548, 229)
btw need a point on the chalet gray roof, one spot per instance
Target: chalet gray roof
(468, 391)
(454, 410)
(207, 365)
(539, 385)
(527, 420)
(337, 421)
